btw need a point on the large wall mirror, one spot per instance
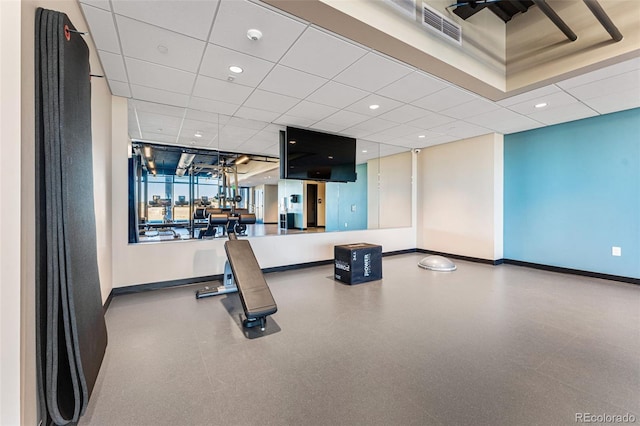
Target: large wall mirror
(230, 167)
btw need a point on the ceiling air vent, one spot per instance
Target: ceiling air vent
(436, 22)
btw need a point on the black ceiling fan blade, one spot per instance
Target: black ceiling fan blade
(473, 3)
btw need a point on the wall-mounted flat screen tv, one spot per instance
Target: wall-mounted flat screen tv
(310, 155)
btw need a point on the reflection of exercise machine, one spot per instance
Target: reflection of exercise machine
(227, 222)
(242, 273)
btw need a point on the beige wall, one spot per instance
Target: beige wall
(389, 191)
(460, 197)
(271, 214)
(11, 305)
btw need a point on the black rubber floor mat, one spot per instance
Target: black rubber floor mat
(71, 332)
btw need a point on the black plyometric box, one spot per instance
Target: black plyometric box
(357, 263)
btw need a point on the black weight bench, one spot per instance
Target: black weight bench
(257, 300)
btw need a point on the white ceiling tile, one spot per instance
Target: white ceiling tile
(118, 88)
(469, 109)
(253, 145)
(221, 90)
(386, 150)
(192, 18)
(289, 120)
(346, 118)
(210, 105)
(157, 108)
(412, 87)
(112, 66)
(504, 121)
(290, 82)
(416, 139)
(144, 73)
(444, 99)
(311, 110)
(627, 82)
(553, 101)
(322, 54)
(149, 119)
(431, 120)
(209, 117)
(615, 102)
(372, 72)
(336, 95)
(438, 140)
(269, 101)
(101, 4)
(257, 114)
(190, 127)
(159, 96)
(528, 96)
(232, 137)
(405, 113)
(246, 123)
(273, 151)
(141, 41)
(192, 142)
(166, 131)
(362, 106)
(601, 74)
(101, 27)
(157, 137)
(235, 17)
(324, 126)
(394, 133)
(373, 125)
(218, 59)
(461, 129)
(572, 112)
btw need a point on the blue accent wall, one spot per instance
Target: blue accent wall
(340, 199)
(572, 191)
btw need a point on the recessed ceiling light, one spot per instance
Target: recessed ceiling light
(330, 157)
(421, 136)
(162, 48)
(198, 135)
(374, 106)
(292, 142)
(541, 105)
(364, 150)
(235, 69)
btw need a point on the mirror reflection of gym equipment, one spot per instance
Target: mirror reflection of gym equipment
(208, 198)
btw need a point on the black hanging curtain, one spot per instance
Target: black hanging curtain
(70, 328)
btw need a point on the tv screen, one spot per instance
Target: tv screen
(309, 155)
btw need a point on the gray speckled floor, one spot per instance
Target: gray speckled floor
(485, 345)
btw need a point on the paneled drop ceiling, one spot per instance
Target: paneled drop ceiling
(172, 59)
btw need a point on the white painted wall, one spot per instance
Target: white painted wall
(157, 262)
(10, 214)
(460, 197)
(101, 135)
(389, 187)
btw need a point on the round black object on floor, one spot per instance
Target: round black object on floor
(437, 263)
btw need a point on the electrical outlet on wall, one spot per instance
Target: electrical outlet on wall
(616, 251)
